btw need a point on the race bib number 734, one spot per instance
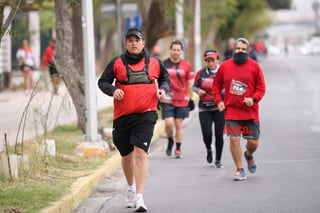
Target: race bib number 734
(237, 87)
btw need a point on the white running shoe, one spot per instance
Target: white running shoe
(130, 199)
(140, 206)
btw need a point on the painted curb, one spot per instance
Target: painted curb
(82, 187)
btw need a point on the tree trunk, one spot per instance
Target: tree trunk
(104, 56)
(190, 50)
(1, 18)
(65, 62)
(156, 24)
(78, 37)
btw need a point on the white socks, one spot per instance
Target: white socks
(139, 196)
(132, 187)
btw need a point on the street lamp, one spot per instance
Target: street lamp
(89, 72)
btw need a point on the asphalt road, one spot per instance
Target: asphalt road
(288, 157)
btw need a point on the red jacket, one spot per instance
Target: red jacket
(47, 56)
(239, 81)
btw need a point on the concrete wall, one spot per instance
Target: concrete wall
(5, 49)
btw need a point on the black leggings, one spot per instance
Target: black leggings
(206, 120)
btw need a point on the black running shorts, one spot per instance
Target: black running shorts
(168, 110)
(52, 70)
(134, 130)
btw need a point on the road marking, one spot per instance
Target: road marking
(289, 161)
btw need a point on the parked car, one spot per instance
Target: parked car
(312, 47)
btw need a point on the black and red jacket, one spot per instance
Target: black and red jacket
(204, 80)
(138, 97)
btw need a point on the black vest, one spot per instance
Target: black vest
(136, 77)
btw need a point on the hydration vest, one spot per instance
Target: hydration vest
(136, 77)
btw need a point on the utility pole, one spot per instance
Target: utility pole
(315, 7)
(119, 26)
(89, 72)
(179, 25)
(197, 36)
(179, 20)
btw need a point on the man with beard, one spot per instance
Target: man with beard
(177, 105)
(244, 85)
(136, 95)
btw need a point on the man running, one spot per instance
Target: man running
(136, 97)
(244, 85)
(176, 107)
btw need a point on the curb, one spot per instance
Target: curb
(82, 187)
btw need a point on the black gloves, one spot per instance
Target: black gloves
(191, 105)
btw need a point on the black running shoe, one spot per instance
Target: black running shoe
(169, 151)
(209, 156)
(218, 164)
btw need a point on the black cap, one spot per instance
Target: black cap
(135, 31)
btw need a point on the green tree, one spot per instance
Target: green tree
(247, 19)
(214, 16)
(14, 8)
(47, 17)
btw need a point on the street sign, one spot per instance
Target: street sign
(134, 22)
(127, 10)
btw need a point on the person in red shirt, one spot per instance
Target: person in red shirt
(177, 105)
(244, 85)
(208, 110)
(47, 60)
(136, 95)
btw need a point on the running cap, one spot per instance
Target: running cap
(135, 31)
(210, 54)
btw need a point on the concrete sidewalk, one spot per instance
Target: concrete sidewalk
(62, 110)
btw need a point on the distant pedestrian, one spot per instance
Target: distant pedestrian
(229, 51)
(261, 48)
(244, 85)
(208, 110)
(253, 53)
(136, 97)
(48, 61)
(286, 49)
(177, 106)
(27, 63)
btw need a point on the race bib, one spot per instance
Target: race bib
(237, 87)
